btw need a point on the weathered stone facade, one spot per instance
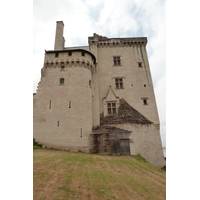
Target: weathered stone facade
(98, 99)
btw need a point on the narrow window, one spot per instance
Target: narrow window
(116, 60)
(56, 54)
(111, 108)
(90, 83)
(145, 101)
(144, 85)
(69, 53)
(58, 123)
(50, 104)
(61, 81)
(139, 64)
(119, 83)
(69, 104)
(83, 53)
(81, 132)
(62, 68)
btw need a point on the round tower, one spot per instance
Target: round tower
(64, 103)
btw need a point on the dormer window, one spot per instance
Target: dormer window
(111, 108)
(110, 103)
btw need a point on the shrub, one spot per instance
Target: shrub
(36, 145)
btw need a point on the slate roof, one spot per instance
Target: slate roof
(126, 114)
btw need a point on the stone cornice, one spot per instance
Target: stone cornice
(101, 41)
(69, 63)
(72, 50)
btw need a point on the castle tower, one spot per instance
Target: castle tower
(127, 102)
(98, 99)
(63, 103)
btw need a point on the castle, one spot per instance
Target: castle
(98, 99)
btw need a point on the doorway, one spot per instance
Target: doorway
(124, 147)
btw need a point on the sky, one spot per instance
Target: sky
(110, 18)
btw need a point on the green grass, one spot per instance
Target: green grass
(36, 145)
(67, 175)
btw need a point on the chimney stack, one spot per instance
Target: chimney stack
(59, 39)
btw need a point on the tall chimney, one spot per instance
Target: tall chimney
(59, 40)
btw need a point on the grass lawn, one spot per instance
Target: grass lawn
(67, 175)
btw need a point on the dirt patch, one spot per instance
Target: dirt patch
(67, 175)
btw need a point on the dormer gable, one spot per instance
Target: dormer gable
(110, 103)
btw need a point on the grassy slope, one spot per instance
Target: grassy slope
(66, 175)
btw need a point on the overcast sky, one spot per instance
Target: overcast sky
(110, 18)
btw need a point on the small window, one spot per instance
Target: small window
(116, 60)
(62, 68)
(90, 83)
(56, 54)
(111, 108)
(139, 64)
(58, 123)
(145, 102)
(144, 85)
(61, 81)
(50, 104)
(69, 53)
(83, 53)
(69, 104)
(119, 83)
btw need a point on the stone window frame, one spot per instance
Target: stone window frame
(145, 101)
(111, 107)
(119, 83)
(140, 64)
(117, 61)
(62, 81)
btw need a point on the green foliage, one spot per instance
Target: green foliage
(164, 168)
(140, 158)
(36, 145)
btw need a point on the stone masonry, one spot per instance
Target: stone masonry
(98, 99)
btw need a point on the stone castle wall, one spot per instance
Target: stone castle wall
(137, 82)
(63, 112)
(70, 106)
